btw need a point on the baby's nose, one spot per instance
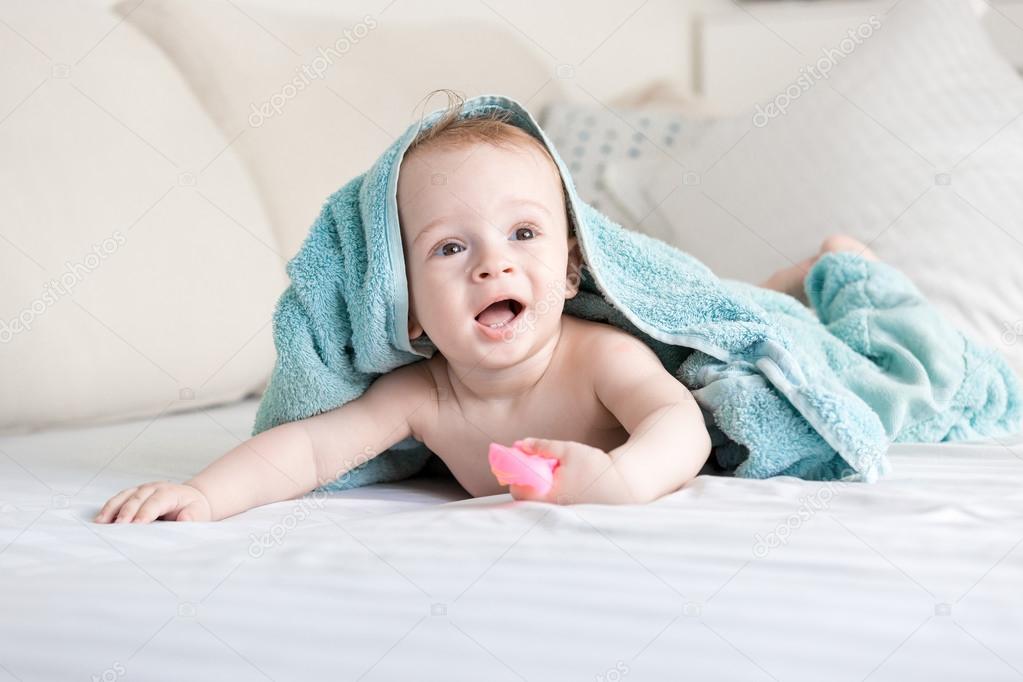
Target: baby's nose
(492, 266)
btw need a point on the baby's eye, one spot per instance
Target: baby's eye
(527, 230)
(444, 251)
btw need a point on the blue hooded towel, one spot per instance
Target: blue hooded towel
(785, 390)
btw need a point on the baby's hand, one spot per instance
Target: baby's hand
(161, 499)
(584, 474)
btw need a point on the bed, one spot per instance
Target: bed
(133, 168)
(915, 577)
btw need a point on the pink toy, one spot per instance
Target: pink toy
(517, 467)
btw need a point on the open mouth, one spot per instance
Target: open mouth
(500, 313)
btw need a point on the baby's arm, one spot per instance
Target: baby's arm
(288, 460)
(669, 441)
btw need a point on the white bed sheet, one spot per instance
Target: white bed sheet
(917, 577)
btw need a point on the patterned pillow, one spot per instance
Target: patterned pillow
(590, 137)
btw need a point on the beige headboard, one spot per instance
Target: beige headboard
(303, 135)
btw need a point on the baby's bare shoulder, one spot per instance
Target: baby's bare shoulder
(628, 377)
(412, 389)
(615, 360)
(605, 341)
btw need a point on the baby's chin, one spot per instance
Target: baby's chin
(511, 348)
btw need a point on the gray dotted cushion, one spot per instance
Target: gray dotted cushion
(589, 137)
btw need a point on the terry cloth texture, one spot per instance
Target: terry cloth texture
(786, 390)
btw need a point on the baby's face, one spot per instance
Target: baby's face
(481, 222)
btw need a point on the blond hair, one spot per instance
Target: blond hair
(491, 126)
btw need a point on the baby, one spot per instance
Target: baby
(490, 258)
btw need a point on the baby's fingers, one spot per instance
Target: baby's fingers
(543, 447)
(194, 511)
(527, 492)
(132, 504)
(159, 503)
(113, 504)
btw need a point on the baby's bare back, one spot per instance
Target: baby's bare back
(562, 406)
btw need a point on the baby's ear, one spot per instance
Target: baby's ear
(414, 329)
(574, 273)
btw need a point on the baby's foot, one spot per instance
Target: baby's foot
(790, 280)
(843, 242)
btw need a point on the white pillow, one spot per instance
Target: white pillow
(140, 272)
(914, 145)
(314, 98)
